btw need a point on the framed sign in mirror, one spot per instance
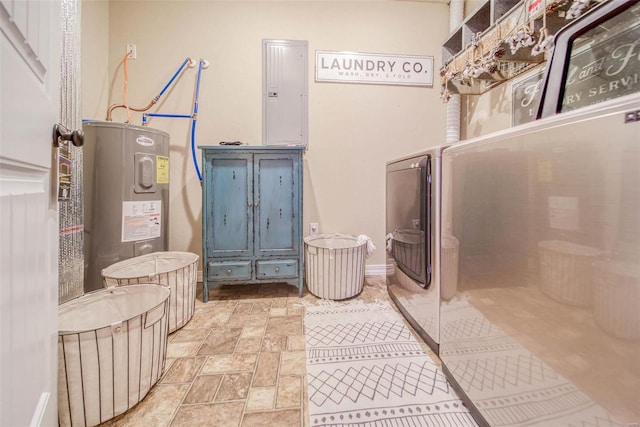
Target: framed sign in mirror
(525, 96)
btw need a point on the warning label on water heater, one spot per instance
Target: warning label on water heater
(162, 170)
(141, 220)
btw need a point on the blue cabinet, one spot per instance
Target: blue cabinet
(252, 215)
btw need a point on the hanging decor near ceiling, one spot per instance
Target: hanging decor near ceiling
(374, 68)
(491, 48)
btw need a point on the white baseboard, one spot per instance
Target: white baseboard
(378, 270)
(369, 270)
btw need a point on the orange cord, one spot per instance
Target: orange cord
(124, 89)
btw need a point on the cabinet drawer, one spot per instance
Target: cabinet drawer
(274, 269)
(233, 270)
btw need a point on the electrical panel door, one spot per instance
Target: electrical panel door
(285, 92)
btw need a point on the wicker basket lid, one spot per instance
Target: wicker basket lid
(105, 307)
(149, 265)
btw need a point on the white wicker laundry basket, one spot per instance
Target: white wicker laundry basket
(408, 249)
(112, 346)
(334, 265)
(448, 267)
(565, 271)
(176, 270)
(615, 298)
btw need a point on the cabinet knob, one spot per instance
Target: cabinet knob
(229, 271)
(277, 269)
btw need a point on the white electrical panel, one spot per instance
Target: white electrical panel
(284, 92)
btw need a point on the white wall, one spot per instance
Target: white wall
(486, 113)
(94, 57)
(353, 129)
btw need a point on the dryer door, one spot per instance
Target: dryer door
(409, 217)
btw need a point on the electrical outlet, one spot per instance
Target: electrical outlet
(314, 228)
(131, 48)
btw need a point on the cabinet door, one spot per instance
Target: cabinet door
(277, 199)
(229, 209)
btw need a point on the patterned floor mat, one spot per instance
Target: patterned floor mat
(364, 367)
(507, 383)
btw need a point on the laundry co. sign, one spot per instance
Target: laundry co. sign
(352, 67)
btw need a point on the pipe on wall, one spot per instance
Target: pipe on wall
(456, 15)
(194, 116)
(188, 62)
(453, 114)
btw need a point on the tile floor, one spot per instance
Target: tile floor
(240, 361)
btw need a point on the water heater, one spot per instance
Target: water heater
(126, 195)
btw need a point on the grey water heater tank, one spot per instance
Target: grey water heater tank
(126, 195)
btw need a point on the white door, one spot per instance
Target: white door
(29, 107)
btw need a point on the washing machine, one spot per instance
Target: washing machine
(416, 248)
